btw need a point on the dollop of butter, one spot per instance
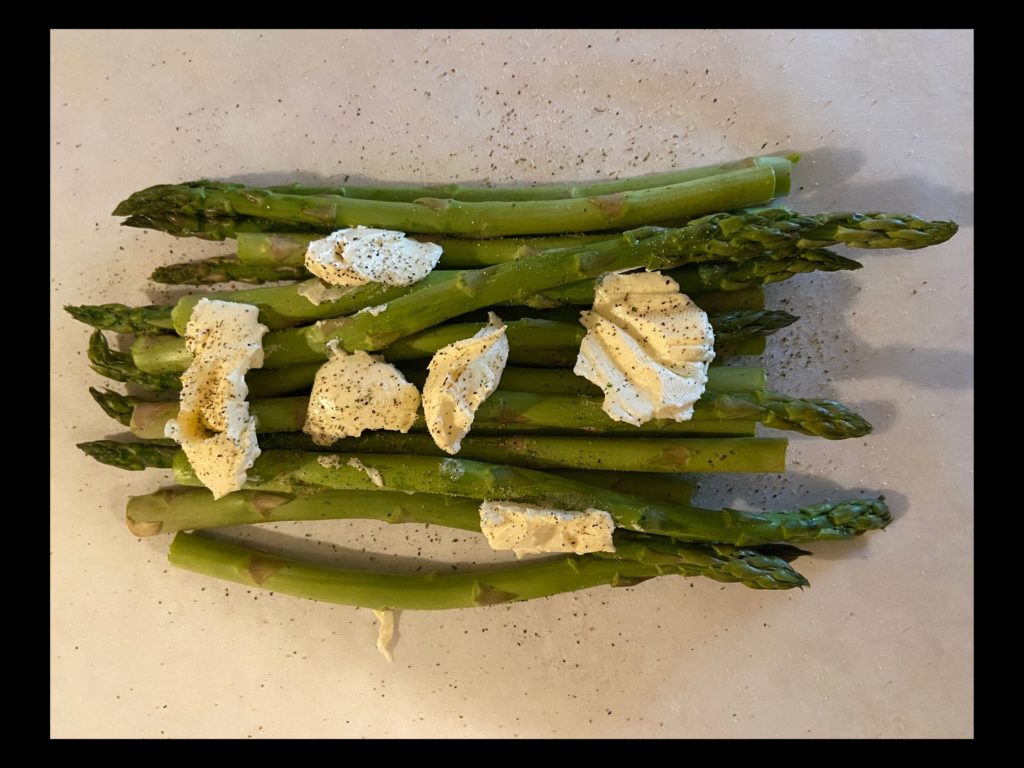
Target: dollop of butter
(526, 529)
(360, 255)
(355, 392)
(213, 425)
(647, 346)
(460, 377)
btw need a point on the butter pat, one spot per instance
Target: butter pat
(647, 346)
(213, 425)
(460, 377)
(526, 529)
(356, 392)
(361, 255)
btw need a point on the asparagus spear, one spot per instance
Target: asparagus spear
(309, 474)
(223, 269)
(295, 472)
(477, 588)
(692, 280)
(295, 378)
(207, 228)
(121, 367)
(704, 454)
(325, 213)
(154, 318)
(403, 194)
(709, 239)
(289, 249)
(508, 411)
(534, 342)
(283, 306)
(171, 508)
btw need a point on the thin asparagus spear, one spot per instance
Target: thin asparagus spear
(325, 213)
(124, 319)
(475, 588)
(295, 472)
(542, 343)
(223, 269)
(133, 457)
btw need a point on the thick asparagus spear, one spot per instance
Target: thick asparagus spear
(296, 472)
(560, 381)
(542, 343)
(703, 454)
(289, 249)
(635, 561)
(325, 213)
(121, 367)
(709, 239)
(527, 412)
(692, 280)
(295, 378)
(187, 509)
(173, 504)
(503, 413)
(405, 194)
(284, 306)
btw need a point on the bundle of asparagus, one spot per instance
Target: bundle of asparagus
(532, 254)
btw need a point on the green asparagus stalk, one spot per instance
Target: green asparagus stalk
(121, 367)
(289, 249)
(117, 406)
(134, 457)
(709, 239)
(556, 381)
(476, 588)
(692, 280)
(283, 306)
(188, 509)
(185, 509)
(508, 411)
(660, 486)
(124, 319)
(325, 213)
(541, 343)
(295, 472)
(174, 503)
(208, 228)
(503, 413)
(782, 164)
(703, 454)
(224, 269)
